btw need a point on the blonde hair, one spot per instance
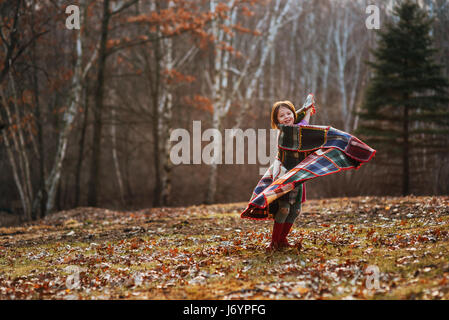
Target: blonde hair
(275, 111)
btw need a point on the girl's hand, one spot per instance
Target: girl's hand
(278, 169)
(308, 114)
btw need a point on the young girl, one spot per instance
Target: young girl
(284, 113)
(304, 152)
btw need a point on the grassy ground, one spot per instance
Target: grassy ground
(346, 248)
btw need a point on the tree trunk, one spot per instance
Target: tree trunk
(79, 163)
(129, 193)
(266, 47)
(217, 96)
(40, 140)
(16, 167)
(95, 166)
(212, 184)
(341, 44)
(115, 156)
(405, 155)
(155, 93)
(222, 91)
(16, 152)
(21, 150)
(166, 117)
(156, 156)
(53, 180)
(69, 117)
(325, 73)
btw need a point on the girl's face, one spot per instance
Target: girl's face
(285, 116)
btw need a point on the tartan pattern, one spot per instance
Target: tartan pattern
(340, 151)
(302, 138)
(288, 137)
(337, 138)
(339, 158)
(309, 138)
(290, 159)
(312, 137)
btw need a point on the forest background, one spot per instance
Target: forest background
(86, 114)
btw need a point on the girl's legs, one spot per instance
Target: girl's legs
(289, 209)
(295, 210)
(284, 209)
(279, 220)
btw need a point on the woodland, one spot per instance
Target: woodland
(87, 113)
(92, 205)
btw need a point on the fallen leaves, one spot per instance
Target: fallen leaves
(208, 252)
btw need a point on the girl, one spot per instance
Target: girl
(284, 113)
(304, 152)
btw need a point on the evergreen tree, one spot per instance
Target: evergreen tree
(406, 105)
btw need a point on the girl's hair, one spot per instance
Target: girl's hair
(275, 111)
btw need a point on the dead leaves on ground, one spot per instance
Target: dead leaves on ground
(208, 252)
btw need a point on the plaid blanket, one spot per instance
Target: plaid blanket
(332, 151)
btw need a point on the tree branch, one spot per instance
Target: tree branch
(126, 5)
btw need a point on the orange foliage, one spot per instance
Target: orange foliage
(247, 12)
(200, 102)
(230, 49)
(174, 76)
(242, 29)
(172, 20)
(138, 18)
(227, 30)
(221, 9)
(112, 42)
(143, 37)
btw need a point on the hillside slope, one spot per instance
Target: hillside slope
(346, 248)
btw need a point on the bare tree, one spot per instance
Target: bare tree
(222, 91)
(16, 150)
(68, 119)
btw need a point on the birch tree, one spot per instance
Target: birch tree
(13, 139)
(165, 123)
(68, 119)
(347, 47)
(222, 92)
(14, 45)
(162, 63)
(69, 116)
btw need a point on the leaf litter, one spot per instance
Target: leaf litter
(208, 252)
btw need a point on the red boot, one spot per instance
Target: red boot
(283, 243)
(277, 229)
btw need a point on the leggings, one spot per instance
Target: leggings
(289, 206)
